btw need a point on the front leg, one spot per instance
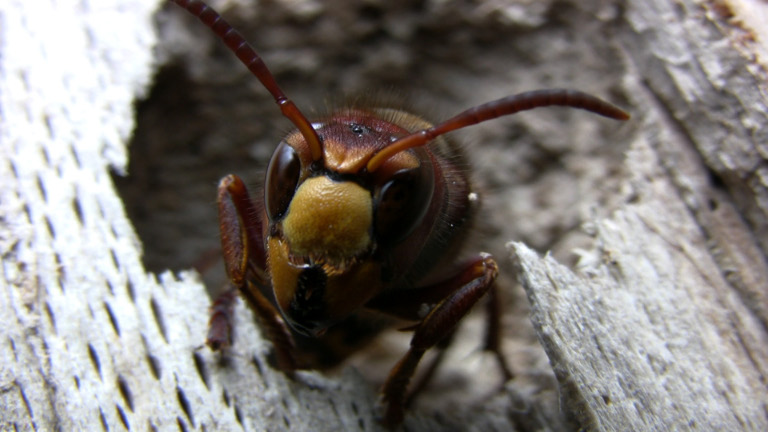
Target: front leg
(241, 230)
(476, 279)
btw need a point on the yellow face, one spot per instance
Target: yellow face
(316, 263)
(329, 221)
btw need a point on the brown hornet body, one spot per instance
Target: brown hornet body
(362, 209)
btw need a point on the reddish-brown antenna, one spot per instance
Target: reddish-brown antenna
(245, 52)
(498, 108)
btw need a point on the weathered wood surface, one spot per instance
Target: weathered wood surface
(661, 324)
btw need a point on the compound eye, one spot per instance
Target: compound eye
(282, 178)
(402, 203)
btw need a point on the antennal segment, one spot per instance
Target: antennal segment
(499, 108)
(248, 56)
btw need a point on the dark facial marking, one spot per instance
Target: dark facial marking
(308, 308)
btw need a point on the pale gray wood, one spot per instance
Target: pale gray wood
(663, 324)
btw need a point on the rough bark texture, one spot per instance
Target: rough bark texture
(663, 327)
(661, 321)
